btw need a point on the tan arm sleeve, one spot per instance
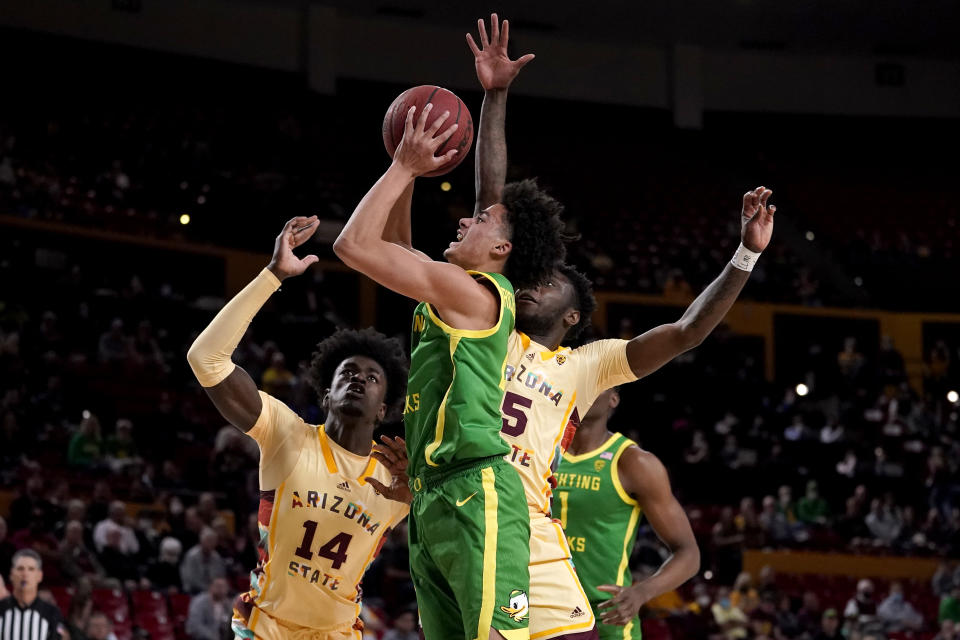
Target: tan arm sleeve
(209, 355)
(603, 364)
(280, 433)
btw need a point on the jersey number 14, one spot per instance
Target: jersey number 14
(335, 548)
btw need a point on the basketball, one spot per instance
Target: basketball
(442, 100)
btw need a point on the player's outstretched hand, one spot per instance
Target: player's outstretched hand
(623, 606)
(495, 69)
(757, 219)
(392, 454)
(420, 142)
(284, 263)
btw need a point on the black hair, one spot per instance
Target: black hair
(346, 343)
(584, 302)
(537, 233)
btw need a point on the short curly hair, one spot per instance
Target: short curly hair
(584, 301)
(537, 233)
(346, 343)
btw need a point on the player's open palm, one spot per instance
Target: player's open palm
(285, 263)
(495, 69)
(392, 454)
(757, 219)
(420, 142)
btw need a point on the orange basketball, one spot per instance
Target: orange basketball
(442, 100)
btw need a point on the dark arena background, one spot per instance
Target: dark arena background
(151, 150)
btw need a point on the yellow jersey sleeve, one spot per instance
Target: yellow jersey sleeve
(280, 433)
(601, 365)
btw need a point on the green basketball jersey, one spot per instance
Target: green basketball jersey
(601, 522)
(454, 392)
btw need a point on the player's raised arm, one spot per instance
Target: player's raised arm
(653, 349)
(466, 303)
(644, 477)
(495, 71)
(231, 388)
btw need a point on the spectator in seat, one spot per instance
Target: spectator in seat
(829, 626)
(117, 519)
(77, 561)
(883, 522)
(78, 615)
(163, 573)
(114, 345)
(210, 612)
(943, 580)
(950, 606)
(948, 631)
(808, 617)
(99, 627)
(277, 380)
(861, 609)
(787, 622)
(30, 499)
(748, 524)
(86, 445)
(404, 627)
(731, 620)
(202, 564)
(898, 614)
(117, 562)
(763, 619)
(744, 596)
(120, 448)
(774, 522)
(727, 545)
(811, 508)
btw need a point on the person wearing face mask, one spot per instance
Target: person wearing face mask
(897, 613)
(731, 620)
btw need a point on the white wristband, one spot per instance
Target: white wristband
(744, 259)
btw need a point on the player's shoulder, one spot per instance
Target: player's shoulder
(638, 461)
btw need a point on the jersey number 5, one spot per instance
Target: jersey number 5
(513, 406)
(335, 548)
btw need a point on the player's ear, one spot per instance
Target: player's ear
(382, 413)
(614, 399)
(502, 249)
(571, 318)
(325, 401)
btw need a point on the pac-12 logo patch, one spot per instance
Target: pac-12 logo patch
(519, 606)
(561, 359)
(599, 464)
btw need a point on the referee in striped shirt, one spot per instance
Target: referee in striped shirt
(24, 616)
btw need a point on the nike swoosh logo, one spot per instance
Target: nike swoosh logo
(460, 503)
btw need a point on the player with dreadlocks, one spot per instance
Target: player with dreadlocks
(325, 503)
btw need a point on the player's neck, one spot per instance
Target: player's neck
(25, 597)
(590, 435)
(353, 434)
(551, 339)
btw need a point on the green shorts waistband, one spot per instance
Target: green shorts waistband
(432, 478)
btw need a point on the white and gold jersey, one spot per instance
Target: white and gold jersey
(545, 395)
(321, 525)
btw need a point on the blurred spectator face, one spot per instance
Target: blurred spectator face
(25, 575)
(875, 505)
(220, 526)
(73, 534)
(192, 520)
(810, 601)
(405, 622)
(170, 549)
(769, 504)
(114, 537)
(99, 627)
(219, 589)
(830, 621)
(208, 539)
(76, 510)
(747, 506)
(118, 512)
(726, 516)
(124, 429)
(723, 597)
(34, 486)
(206, 505)
(812, 490)
(896, 591)
(865, 591)
(948, 628)
(785, 494)
(101, 492)
(116, 327)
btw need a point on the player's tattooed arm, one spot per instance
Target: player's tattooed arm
(236, 396)
(645, 478)
(653, 349)
(495, 71)
(464, 303)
